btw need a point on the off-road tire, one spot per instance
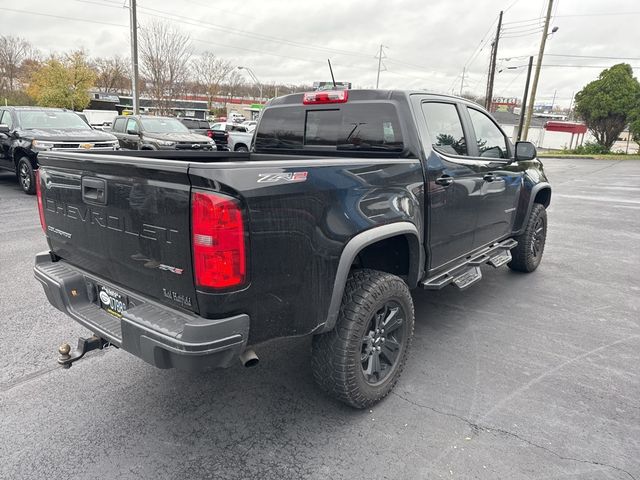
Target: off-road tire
(526, 256)
(337, 361)
(26, 176)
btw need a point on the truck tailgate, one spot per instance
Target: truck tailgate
(126, 220)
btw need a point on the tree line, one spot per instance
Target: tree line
(169, 68)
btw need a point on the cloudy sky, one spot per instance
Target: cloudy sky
(428, 42)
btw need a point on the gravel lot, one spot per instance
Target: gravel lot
(521, 376)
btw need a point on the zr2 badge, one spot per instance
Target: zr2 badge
(282, 177)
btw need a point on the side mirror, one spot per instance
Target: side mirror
(4, 129)
(133, 132)
(525, 151)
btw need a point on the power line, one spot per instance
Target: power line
(63, 18)
(604, 14)
(481, 45)
(119, 6)
(592, 56)
(574, 66)
(509, 7)
(521, 30)
(235, 31)
(584, 66)
(530, 20)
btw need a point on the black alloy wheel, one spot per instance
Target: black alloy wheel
(26, 176)
(382, 342)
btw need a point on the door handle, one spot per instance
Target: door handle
(444, 180)
(489, 177)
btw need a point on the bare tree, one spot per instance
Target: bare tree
(13, 51)
(112, 74)
(210, 72)
(165, 55)
(235, 83)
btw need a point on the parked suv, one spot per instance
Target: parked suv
(25, 131)
(143, 132)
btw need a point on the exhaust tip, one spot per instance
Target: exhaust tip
(249, 358)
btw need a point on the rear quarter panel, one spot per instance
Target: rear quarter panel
(298, 230)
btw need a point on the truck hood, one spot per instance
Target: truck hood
(67, 135)
(178, 137)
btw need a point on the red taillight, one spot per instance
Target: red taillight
(329, 96)
(40, 202)
(210, 133)
(217, 229)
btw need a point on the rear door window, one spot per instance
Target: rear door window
(132, 125)
(6, 119)
(445, 128)
(118, 125)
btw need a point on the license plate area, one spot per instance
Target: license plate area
(112, 301)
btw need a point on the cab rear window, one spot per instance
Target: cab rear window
(371, 127)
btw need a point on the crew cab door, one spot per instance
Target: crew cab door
(5, 140)
(131, 137)
(454, 179)
(119, 130)
(502, 178)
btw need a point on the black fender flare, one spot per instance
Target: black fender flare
(355, 246)
(18, 152)
(532, 198)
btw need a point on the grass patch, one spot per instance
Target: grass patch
(593, 156)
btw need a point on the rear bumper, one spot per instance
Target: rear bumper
(160, 335)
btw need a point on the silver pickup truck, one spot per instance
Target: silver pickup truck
(238, 137)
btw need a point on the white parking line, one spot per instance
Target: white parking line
(596, 198)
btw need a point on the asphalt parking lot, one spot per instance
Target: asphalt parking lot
(520, 377)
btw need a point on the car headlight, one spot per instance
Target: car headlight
(41, 145)
(165, 143)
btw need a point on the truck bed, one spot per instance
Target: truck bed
(299, 212)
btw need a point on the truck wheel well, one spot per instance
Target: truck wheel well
(18, 153)
(543, 197)
(391, 255)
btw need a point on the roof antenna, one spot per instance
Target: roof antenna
(333, 79)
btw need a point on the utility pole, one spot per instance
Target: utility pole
(380, 53)
(492, 65)
(523, 107)
(536, 77)
(571, 106)
(464, 70)
(553, 102)
(135, 84)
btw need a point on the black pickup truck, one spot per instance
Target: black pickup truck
(347, 201)
(27, 131)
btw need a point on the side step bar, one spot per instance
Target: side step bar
(468, 272)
